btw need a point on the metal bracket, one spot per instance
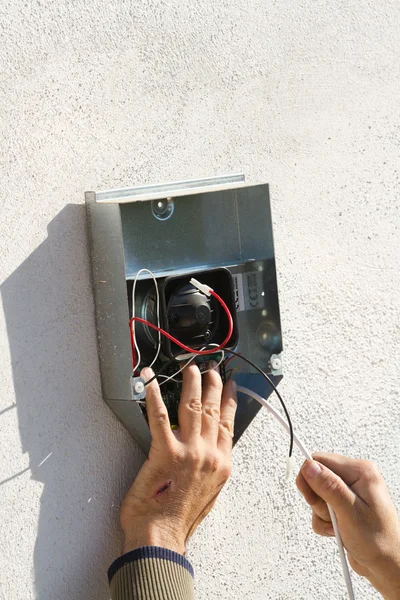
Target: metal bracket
(171, 190)
(138, 388)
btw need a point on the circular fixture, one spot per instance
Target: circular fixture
(162, 209)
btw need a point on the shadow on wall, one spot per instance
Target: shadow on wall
(76, 447)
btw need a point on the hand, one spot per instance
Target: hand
(186, 469)
(367, 518)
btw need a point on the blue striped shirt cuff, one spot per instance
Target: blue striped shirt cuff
(149, 552)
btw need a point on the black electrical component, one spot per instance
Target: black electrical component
(192, 317)
(186, 313)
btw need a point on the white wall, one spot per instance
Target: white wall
(303, 95)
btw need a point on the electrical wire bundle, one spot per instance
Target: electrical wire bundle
(212, 349)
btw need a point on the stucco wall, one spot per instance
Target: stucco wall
(303, 95)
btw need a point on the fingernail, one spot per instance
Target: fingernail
(234, 385)
(311, 469)
(330, 531)
(147, 373)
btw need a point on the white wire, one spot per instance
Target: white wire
(172, 377)
(177, 373)
(138, 355)
(308, 456)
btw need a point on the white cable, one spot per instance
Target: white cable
(307, 454)
(138, 355)
(193, 356)
(177, 373)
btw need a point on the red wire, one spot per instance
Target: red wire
(134, 358)
(187, 348)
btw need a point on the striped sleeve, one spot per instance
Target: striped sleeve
(151, 573)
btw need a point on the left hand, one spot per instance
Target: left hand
(186, 469)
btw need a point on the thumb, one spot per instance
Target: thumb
(328, 486)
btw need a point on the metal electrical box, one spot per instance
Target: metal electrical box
(174, 229)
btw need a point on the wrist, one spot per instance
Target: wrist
(386, 579)
(153, 534)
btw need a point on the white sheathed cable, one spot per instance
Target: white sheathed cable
(307, 455)
(138, 355)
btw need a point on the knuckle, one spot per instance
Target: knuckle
(212, 411)
(194, 457)
(226, 470)
(226, 427)
(160, 417)
(371, 471)
(331, 485)
(231, 404)
(211, 462)
(195, 404)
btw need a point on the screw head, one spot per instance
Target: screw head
(162, 209)
(276, 364)
(139, 387)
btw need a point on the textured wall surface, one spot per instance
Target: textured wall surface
(94, 94)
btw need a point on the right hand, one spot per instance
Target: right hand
(367, 518)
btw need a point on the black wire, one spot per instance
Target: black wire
(271, 383)
(161, 371)
(250, 362)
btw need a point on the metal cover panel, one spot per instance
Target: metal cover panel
(206, 230)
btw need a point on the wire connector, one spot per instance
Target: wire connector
(289, 468)
(202, 287)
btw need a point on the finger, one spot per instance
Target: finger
(328, 486)
(321, 527)
(190, 408)
(227, 416)
(211, 401)
(157, 413)
(318, 505)
(348, 469)
(363, 476)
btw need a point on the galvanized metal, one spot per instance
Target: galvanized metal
(194, 225)
(173, 189)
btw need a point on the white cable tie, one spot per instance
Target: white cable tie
(202, 287)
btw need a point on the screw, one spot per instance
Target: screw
(207, 335)
(139, 387)
(276, 364)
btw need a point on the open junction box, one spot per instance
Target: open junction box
(217, 230)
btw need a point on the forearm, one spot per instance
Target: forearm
(386, 578)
